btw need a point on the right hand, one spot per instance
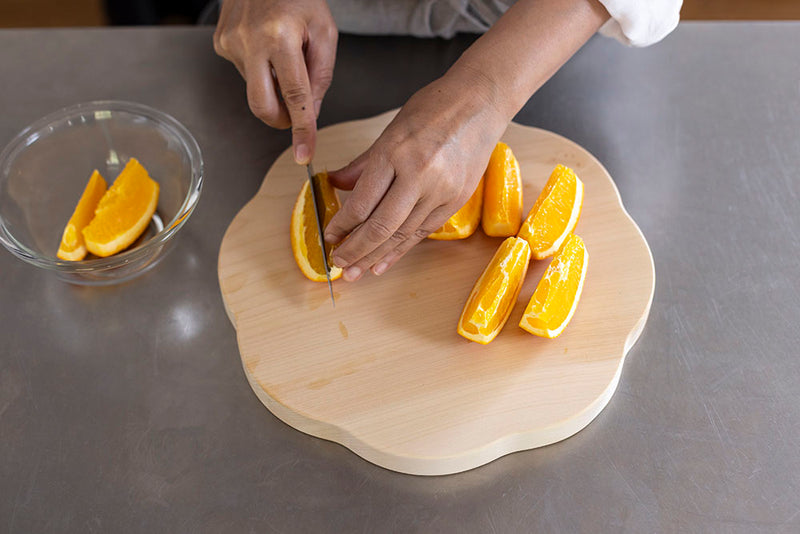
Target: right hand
(285, 50)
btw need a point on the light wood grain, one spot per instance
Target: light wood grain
(384, 373)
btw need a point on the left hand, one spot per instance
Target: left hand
(420, 171)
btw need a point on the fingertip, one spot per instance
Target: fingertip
(338, 262)
(302, 154)
(345, 178)
(345, 183)
(331, 238)
(351, 274)
(380, 268)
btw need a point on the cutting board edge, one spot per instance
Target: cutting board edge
(434, 465)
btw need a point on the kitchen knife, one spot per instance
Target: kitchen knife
(319, 214)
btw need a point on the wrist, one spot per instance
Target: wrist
(475, 84)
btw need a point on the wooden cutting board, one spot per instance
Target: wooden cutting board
(384, 373)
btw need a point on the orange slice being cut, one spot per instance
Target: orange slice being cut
(304, 232)
(465, 221)
(556, 297)
(502, 194)
(555, 213)
(124, 211)
(73, 247)
(495, 293)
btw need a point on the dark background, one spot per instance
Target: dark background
(44, 13)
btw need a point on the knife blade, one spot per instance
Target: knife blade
(319, 214)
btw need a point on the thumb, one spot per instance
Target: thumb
(346, 177)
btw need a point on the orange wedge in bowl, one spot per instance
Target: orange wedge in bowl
(555, 213)
(73, 247)
(502, 194)
(124, 211)
(495, 293)
(556, 297)
(465, 221)
(305, 234)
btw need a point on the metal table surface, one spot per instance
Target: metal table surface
(125, 409)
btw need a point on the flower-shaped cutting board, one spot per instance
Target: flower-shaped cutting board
(384, 372)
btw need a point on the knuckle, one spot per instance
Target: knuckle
(276, 31)
(300, 128)
(421, 233)
(401, 235)
(376, 230)
(261, 110)
(451, 191)
(295, 96)
(435, 166)
(330, 32)
(359, 211)
(222, 43)
(323, 78)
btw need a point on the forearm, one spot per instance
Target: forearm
(526, 47)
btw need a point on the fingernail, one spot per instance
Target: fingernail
(380, 268)
(317, 106)
(339, 262)
(301, 154)
(352, 274)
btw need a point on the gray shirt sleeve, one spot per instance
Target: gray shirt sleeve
(420, 18)
(633, 22)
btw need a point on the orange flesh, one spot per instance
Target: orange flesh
(556, 297)
(495, 293)
(311, 234)
(305, 234)
(502, 200)
(465, 221)
(124, 211)
(555, 213)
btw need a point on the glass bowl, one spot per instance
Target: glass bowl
(44, 169)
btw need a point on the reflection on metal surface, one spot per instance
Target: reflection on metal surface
(184, 321)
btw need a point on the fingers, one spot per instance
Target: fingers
(369, 189)
(295, 88)
(262, 95)
(410, 231)
(285, 51)
(432, 223)
(320, 59)
(368, 242)
(346, 177)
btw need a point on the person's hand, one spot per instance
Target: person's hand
(285, 50)
(420, 171)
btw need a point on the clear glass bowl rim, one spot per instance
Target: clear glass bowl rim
(29, 135)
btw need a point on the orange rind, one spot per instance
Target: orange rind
(73, 246)
(305, 234)
(554, 214)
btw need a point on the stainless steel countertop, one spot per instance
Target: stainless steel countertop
(125, 409)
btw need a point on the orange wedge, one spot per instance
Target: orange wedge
(502, 195)
(73, 247)
(556, 297)
(555, 213)
(124, 211)
(495, 293)
(465, 221)
(304, 232)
